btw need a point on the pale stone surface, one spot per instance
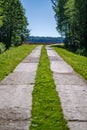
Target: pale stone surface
(31, 60)
(53, 58)
(16, 94)
(19, 78)
(52, 53)
(14, 125)
(19, 96)
(78, 125)
(72, 90)
(36, 52)
(26, 67)
(60, 67)
(74, 101)
(58, 64)
(33, 57)
(68, 79)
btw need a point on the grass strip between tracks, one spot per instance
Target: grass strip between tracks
(46, 109)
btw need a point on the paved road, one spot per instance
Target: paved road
(72, 90)
(16, 94)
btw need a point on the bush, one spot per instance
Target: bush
(82, 51)
(2, 47)
(16, 41)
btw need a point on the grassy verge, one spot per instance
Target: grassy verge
(10, 58)
(46, 110)
(79, 63)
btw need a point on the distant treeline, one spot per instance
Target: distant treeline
(35, 39)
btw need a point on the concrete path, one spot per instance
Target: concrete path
(16, 94)
(72, 90)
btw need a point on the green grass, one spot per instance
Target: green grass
(10, 58)
(79, 63)
(46, 109)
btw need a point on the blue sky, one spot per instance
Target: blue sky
(40, 17)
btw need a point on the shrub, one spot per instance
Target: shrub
(82, 51)
(2, 47)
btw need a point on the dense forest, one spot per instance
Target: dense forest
(13, 23)
(45, 40)
(71, 19)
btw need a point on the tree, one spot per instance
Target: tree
(1, 17)
(58, 6)
(81, 7)
(71, 18)
(14, 22)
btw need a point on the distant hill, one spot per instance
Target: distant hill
(45, 40)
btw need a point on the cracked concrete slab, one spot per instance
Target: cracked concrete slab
(19, 78)
(72, 90)
(74, 101)
(14, 125)
(26, 67)
(31, 60)
(53, 58)
(52, 54)
(16, 94)
(78, 125)
(36, 52)
(68, 79)
(15, 107)
(60, 67)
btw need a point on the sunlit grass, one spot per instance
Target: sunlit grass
(13, 56)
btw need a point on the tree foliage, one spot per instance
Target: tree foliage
(71, 18)
(1, 10)
(14, 22)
